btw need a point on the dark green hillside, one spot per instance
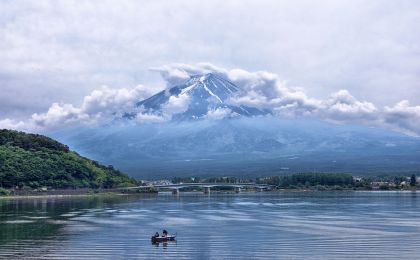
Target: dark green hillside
(34, 161)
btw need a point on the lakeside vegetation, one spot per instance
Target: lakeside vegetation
(307, 180)
(36, 163)
(31, 161)
(340, 181)
(318, 181)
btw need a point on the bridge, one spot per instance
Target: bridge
(207, 186)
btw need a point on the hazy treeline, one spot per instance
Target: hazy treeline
(309, 179)
(319, 181)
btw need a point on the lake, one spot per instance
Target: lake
(274, 225)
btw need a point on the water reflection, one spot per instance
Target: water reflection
(164, 244)
(326, 225)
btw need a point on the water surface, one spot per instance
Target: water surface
(292, 225)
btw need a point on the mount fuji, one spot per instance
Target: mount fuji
(204, 93)
(248, 142)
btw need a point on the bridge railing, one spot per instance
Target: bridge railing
(204, 185)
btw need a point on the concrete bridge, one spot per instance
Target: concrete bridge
(207, 186)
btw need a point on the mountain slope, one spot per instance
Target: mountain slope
(36, 160)
(249, 141)
(205, 93)
(245, 146)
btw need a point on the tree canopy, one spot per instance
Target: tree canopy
(310, 179)
(31, 160)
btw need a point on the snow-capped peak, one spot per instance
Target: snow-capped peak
(205, 92)
(214, 86)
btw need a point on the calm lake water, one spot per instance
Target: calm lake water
(292, 225)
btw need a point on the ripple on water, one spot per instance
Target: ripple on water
(18, 221)
(36, 217)
(229, 227)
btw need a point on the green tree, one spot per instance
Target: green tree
(28, 160)
(413, 180)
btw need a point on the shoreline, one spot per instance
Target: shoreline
(73, 195)
(115, 194)
(92, 195)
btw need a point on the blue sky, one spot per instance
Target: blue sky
(58, 55)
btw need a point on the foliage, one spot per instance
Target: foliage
(198, 179)
(30, 141)
(4, 192)
(186, 180)
(309, 180)
(413, 180)
(37, 161)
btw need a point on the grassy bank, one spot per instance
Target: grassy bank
(5, 193)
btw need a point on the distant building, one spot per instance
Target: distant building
(357, 179)
(158, 182)
(376, 185)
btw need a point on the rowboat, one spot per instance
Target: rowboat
(160, 239)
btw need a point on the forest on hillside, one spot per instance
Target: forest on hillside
(31, 160)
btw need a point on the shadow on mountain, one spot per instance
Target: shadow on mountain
(252, 146)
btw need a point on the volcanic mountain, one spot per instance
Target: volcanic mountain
(244, 143)
(204, 93)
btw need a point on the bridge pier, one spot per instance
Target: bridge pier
(206, 186)
(206, 190)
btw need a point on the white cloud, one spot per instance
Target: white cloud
(101, 105)
(11, 124)
(105, 105)
(62, 50)
(259, 89)
(403, 117)
(265, 90)
(149, 118)
(342, 106)
(59, 115)
(176, 73)
(219, 113)
(107, 100)
(176, 105)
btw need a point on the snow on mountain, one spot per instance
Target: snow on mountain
(205, 94)
(243, 143)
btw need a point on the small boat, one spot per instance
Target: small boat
(160, 239)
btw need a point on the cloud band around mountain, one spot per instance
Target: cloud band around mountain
(260, 89)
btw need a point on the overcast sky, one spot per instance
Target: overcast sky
(61, 51)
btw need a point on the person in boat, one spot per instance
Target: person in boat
(164, 233)
(156, 234)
